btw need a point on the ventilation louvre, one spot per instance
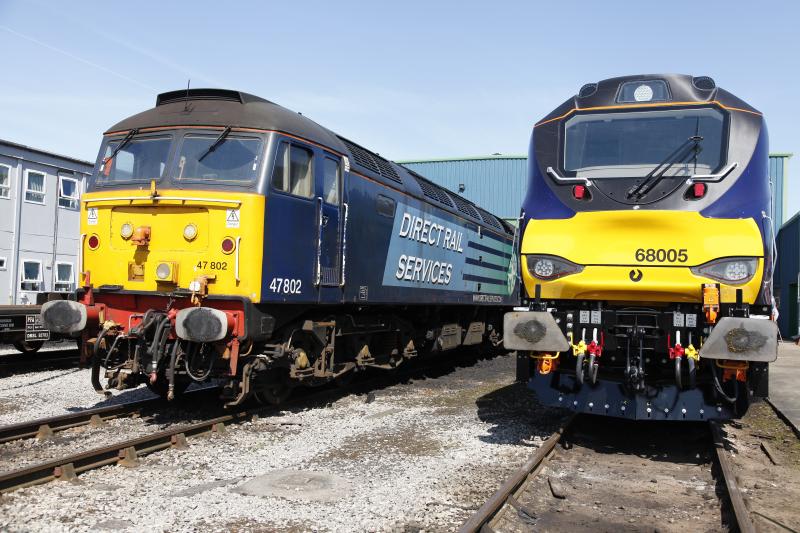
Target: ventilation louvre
(432, 191)
(371, 161)
(465, 207)
(198, 94)
(490, 219)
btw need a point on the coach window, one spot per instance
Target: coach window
(34, 186)
(2, 263)
(5, 181)
(293, 172)
(330, 184)
(31, 276)
(68, 194)
(64, 277)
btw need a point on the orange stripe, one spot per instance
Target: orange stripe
(639, 106)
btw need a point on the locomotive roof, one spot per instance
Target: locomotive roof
(681, 89)
(221, 107)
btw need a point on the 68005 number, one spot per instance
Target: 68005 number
(661, 255)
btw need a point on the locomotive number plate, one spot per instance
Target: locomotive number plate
(661, 255)
(213, 265)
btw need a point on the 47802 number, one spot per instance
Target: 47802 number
(661, 255)
(286, 286)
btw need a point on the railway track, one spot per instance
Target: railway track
(53, 359)
(43, 428)
(126, 452)
(513, 508)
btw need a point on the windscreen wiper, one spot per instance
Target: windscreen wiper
(654, 177)
(121, 145)
(216, 143)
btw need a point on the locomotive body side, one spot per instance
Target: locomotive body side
(244, 242)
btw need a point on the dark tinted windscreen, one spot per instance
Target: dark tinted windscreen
(142, 159)
(607, 145)
(233, 159)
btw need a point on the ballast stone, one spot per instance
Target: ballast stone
(305, 485)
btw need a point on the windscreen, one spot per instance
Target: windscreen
(141, 159)
(632, 144)
(209, 158)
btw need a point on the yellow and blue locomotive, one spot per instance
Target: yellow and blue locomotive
(224, 236)
(647, 252)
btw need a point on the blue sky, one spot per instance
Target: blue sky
(408, 79)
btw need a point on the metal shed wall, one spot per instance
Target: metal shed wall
(787, 277)
(498, 183)
(778, 171)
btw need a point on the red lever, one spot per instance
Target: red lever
(579, 191)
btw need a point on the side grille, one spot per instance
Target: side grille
(433, 192)
(465, 207)
(490, 219)
(366, 159)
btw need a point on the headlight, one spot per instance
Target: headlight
(731, 270)
(190, 232)
(126, 231)
(164, 271)
(549, 267)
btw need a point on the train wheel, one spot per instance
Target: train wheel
(273, 390)
(593, 368)
(28, 347)
(273, 394)
(579, 369)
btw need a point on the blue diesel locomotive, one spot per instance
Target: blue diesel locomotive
(648, 252)
(224, 236)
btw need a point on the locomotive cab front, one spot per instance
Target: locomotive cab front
(646, 238)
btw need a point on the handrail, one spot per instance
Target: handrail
(87, 201)
(344, 243)
(236, 257)
(556, 176)
(719, 176)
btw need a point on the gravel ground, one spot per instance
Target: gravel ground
(418, 455)
(771, 491)
(25, 397)
(621, 475)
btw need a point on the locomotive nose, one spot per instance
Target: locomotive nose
(64, 316)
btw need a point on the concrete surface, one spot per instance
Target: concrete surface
(297, 485)
(784, 382)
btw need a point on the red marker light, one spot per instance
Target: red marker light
(579, 192)
(94, 242)
(228, 245)
(699, 190)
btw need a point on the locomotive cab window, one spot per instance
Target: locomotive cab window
(293, 172)
(330, 191)
(221, 157)
(631, 144)
(138, 159)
